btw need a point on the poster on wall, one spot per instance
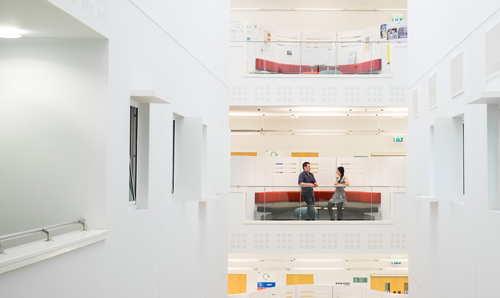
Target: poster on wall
(403, 32)
(383, 31)
(392, 33)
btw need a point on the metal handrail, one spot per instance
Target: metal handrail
(323, 41)
(317, 186)
(45, 230)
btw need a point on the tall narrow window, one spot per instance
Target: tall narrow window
(173, 157)
(133, 155)
(431, 163)
(463, 157)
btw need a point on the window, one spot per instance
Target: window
(493, 132)
(459, 124)
(463, 157)
(133, 155)
(173, 157)
(431, 163)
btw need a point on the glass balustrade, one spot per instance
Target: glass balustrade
(290, 203)
(319, 58)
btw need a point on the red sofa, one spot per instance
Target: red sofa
(280, 205)
(322, 195)
(363, 67)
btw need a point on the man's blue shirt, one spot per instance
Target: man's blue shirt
(307, 192)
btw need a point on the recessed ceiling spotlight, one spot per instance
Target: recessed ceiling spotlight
(9, 33)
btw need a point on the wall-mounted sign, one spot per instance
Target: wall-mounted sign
(397, 139)
(265, 285)
(360, 279)
(266, 280)
(397, 19)
(396, 263)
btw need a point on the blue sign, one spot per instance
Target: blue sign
(265, 285)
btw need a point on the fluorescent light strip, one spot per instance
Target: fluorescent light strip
(319, 260)
(240, 268)
(394, 260)
(243, 260)
(316, 9)
(9, 33)
(318, 268)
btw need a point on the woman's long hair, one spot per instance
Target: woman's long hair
(341, 170)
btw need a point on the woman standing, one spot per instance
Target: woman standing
(338, 197)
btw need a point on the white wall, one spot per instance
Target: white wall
(173, 248)
(455, 227)
(316, 21)
(54, 132)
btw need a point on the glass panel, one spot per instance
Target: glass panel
(364, 203)
(133, 154)
(313, 57)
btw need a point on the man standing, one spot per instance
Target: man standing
(307, 183)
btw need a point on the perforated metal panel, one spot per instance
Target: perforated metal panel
(329, 241)
(261, 241)
(262, 93)
(398, 241)
(375, 241)
(238, 241)
(352, 241)
(284, 241)
(307, 241)
(239, 94)
(284, 93)
(374, 94)
(307, 93)
(329, 94)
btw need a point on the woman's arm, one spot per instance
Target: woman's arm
(346, 182)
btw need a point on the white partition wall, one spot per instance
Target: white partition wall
(350, 52)
(65, 93)
(284, 171)
(324, 169)
(287, 48)
(353, 168)
(449, 225)
(319, 48)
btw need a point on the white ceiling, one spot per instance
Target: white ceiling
(41, 19)
(344, 4)
(311, 111)
(371, 262)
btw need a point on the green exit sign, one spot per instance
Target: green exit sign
(397, 139)
(396, 263)
(397, 19)
(360, 279)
